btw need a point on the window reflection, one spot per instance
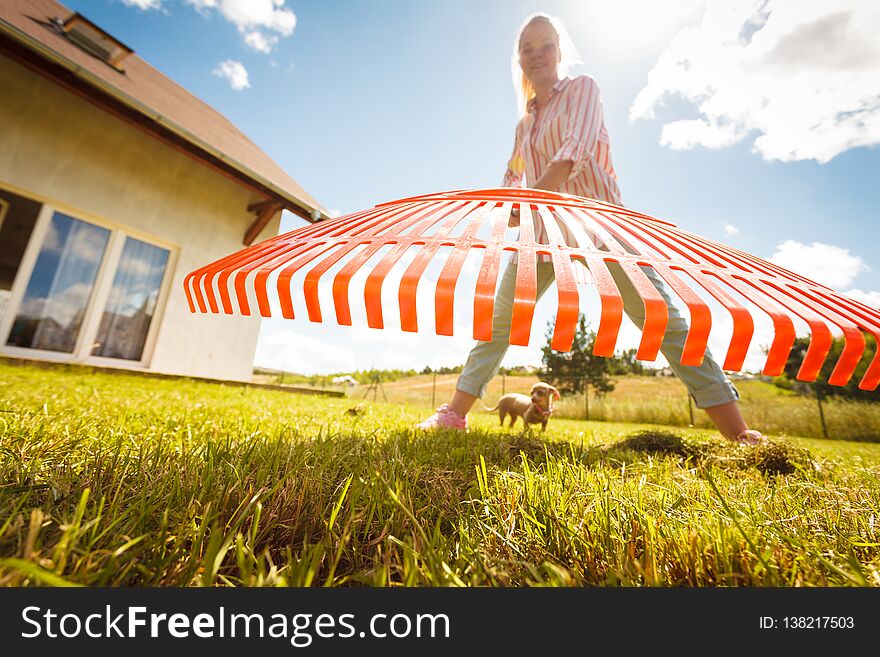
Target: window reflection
(132, 301)
(51, 313)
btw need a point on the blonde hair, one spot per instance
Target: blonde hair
(569, 58)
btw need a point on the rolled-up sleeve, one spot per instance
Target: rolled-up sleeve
(516, 165)
(583, 121)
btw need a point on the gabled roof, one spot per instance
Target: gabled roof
(170, 109)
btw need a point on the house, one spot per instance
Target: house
(115, 182)
(346, 379)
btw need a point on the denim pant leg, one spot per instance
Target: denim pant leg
(706, 383)
(485, 358)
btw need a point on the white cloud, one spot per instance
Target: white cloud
(62, 306)
(235, 73)
(730, 230)
(141, 268)
(291, 351)
(52, 241)
(827, 264)
(871, 298)
(83, 243)
(804, 76)
(253, 18)
(129, 300)
(260, 42)
(144, 5)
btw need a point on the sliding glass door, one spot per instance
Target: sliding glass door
(132, 301)
(51, 313)
(92, 293)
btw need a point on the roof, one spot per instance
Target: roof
(156, 97)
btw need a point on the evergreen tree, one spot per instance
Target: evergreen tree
(570, 370)
(626, 363)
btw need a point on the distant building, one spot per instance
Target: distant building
(345, 380)
(664, 371)
(115, 182)
(523, 369)
(742, 376)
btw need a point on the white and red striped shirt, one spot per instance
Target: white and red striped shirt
(570, 127)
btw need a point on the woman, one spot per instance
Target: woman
(561, 145)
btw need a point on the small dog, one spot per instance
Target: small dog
(535, 407)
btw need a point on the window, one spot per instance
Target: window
(132, 301)
(79, 290)
(51, 313)
(95, 41)
(4, 291)
(17, 218)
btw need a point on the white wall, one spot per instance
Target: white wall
(64, 149)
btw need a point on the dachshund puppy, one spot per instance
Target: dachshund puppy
(535, 407)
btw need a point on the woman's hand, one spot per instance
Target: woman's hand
(554, 175)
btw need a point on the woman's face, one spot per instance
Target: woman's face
(539, 53)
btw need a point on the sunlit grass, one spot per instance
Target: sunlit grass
(658, 400)
(114, 479)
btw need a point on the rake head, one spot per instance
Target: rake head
(602, 233)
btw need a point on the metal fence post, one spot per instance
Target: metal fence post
(586, 400)
(821, 412)
(691, 409)
(433, 389)
(503, 384)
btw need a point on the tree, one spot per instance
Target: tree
(821, 387)
(626, 363)
(570, 370)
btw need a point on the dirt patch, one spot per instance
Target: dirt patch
(655, 442)
(773, 458)
(769, 458)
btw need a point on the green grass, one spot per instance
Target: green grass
(116, 479)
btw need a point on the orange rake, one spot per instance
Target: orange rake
(603, 233)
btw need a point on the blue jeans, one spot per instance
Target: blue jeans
(707, 384)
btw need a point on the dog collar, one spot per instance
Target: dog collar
(542, 411)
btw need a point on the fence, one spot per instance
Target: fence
(651, 400)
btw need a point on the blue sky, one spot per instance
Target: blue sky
(750, 123)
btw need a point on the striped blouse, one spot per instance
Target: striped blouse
(570, 127)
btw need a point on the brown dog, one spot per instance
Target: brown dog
(535, 407)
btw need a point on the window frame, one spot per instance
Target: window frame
(82, 351)
(4, 208)
(4, 303)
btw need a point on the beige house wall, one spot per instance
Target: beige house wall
(65, 151)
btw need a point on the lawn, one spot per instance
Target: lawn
(119, 479)
(648, 400)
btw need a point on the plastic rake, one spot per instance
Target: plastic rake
(603, 234)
